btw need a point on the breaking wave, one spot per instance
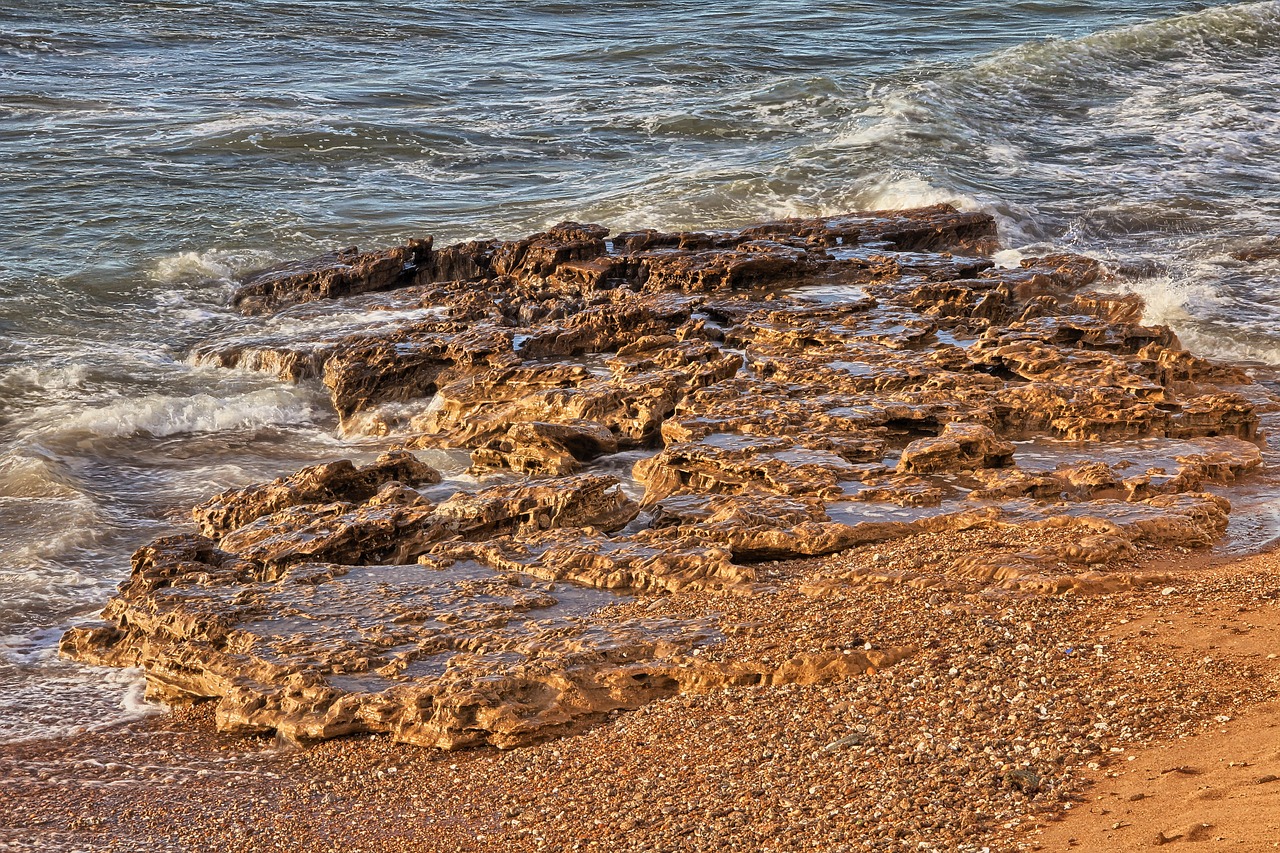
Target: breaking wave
(1147, 145)
(162, 415)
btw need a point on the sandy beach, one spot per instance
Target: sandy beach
(1145, 712)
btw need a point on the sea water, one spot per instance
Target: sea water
(150, 151)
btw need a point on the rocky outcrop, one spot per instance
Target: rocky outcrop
(327, 483)
(328, 650)
(661, 413)
(960, 447)
(343, 273)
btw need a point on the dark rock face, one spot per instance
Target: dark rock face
(334, 276)
(655, 414)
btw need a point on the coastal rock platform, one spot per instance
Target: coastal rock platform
(663, 415)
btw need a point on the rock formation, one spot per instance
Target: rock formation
(658, 413)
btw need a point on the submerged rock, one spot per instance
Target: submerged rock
(343, 273)
(657, 414)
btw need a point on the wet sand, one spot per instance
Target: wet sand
(1022, 722)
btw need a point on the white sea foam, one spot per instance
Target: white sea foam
(58, 378)
(907, 190)
(162, 415)
(36, 582)
(1225, 343)
(253, 120)
(1009, 258)
(1187, 305)
(889, 110)
(210, 265)
(331, 320)
(1168, 301)
(101, 698)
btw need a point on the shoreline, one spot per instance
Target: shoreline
(889, 563)
(820, 767)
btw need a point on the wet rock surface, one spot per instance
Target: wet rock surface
(658, 414)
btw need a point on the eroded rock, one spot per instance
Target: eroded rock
(534, 447)
(960, 447)
(396, 525)
(326, 483)
(794, 389)
(329, 651)
(343, 273)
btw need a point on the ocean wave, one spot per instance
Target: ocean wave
(50, 531)
(905, 190)
(1058, 112)
(163, 415)
(44, 514)
(1214, 33)
(29, 45)
(1228, 344)
(29, 476)
(46, 517)
(26, 379)
(1194, 303)
(1144, 145)
(210, 265)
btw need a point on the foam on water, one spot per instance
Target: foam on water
(162, 415)
(42, 696)
(208, 266)
(38, 530)
(1147, 145)
(319, 322)
(43, 377)
(903, 190)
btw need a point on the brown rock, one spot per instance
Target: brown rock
(397, 527)
(332, 481)
(959, 447)
(333, 276)
(733, 464)
(607, 328)
(410, 363)
(536, 448)
(758, 380)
